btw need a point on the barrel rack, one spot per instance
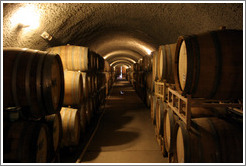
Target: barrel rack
(161, 88)
(182, 105)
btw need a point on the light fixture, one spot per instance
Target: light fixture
(26, 17)
(46, 36)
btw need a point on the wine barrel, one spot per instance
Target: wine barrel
(211, 140)
(171, 122)
(73, 88)
(75, 58)
(149, 81)
(90, 82)
(86, 87)
(33, 80)
(154, 68)
(148, 98)
(25, 142)
(147, 64)
(210, 65)
(54, 124)
(70, 126)
(101, 63)
(102, 95)
(166, 63)
(96, 82)
(82, 114)
(89, 110)
(160, 110)
(153, 109)
(106, 66)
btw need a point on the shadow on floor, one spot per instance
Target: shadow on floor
(112, 133)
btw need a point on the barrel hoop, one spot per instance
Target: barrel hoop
(64, 127)
(27, 81)
(14, 78)
(190, 65)
(69, 125)
(72, 57)
(196, 63)
(78, 88)
(161, 118)
(216, 139)
(73, 91)
(187, 150)
(67, 55)
(47, 84)
(169, 113)
(73, 120)
(218, 67)
(39, 83)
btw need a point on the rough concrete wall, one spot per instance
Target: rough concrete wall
(94, 25)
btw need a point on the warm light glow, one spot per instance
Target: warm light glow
(26, 17)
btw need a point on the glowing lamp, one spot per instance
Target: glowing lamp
(26, 17)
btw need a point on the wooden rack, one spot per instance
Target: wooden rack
(161, 90)
(182, 105)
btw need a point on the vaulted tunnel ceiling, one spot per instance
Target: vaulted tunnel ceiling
(113, 30)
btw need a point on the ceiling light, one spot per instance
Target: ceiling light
(25, 17)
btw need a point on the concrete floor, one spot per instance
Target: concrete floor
(125, 133)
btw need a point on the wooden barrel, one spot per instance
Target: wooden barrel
(154, 68)
(101, 63)
(54, 124)
(149, 81)
(166, 62)
(171, 122)
(211, 140)
(148, 98)
(34, 80)
(86, 86)
(106, 66)
(70, 126)
(75, 58)
(82, 114)
(73, 88)
(210, 65)
(90, 90)
(153, 109)
(89, 110)
(95, 103)
(147, 64)
(160, 110)
(96, 82)
(25, 142)
(102, 95)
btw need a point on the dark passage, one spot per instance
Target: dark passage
(125, 133)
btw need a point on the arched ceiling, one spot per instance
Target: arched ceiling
(129, 30)
(126, 62)
(121, 58)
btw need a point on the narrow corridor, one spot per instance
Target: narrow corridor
(125, 133)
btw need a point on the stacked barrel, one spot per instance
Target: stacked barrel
(131, 75)
(110, 76)
(199, 116)
(33, 91)
(84, 89)
(140, 76)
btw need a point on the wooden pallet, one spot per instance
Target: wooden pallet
(182, 105)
